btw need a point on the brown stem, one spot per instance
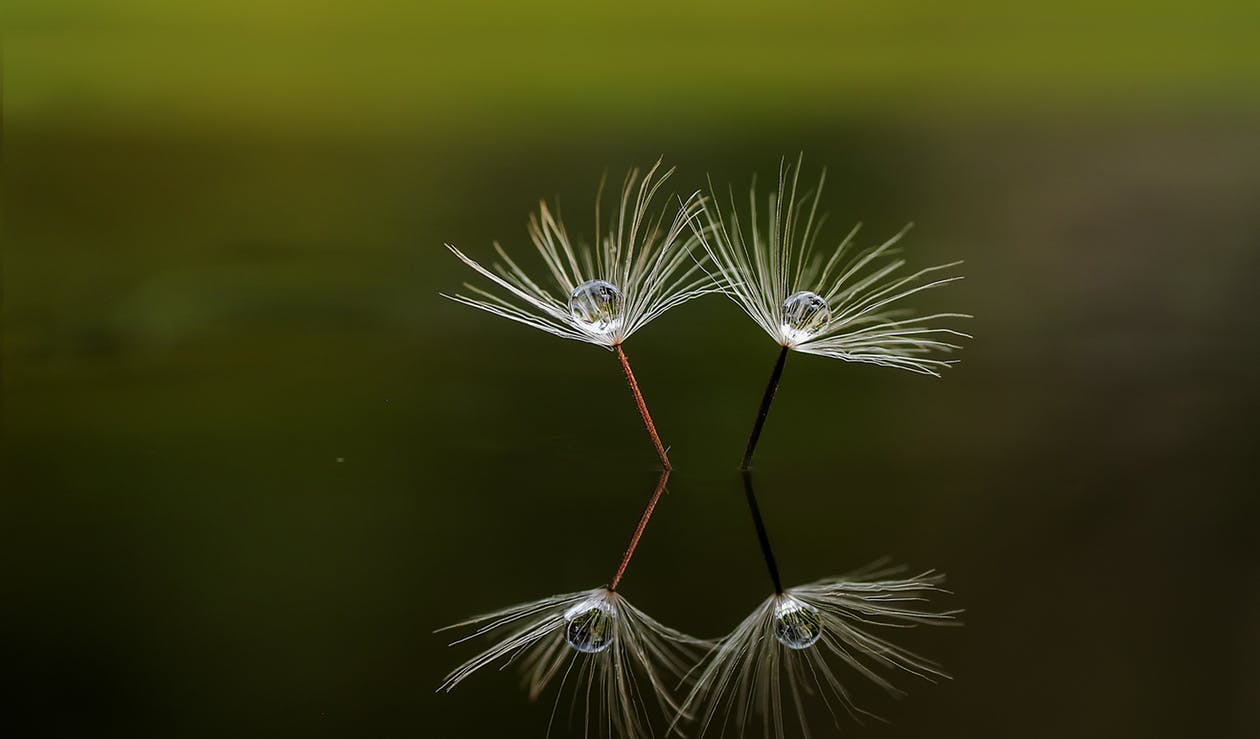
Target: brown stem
(638, 530)
(643, 411)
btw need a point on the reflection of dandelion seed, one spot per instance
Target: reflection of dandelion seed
(599, 639)
(799, 636)
(603, 294)
(840, 305)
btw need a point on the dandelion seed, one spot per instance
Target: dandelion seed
(603, 294)
(845, 305)
(800, 640)
(614, 653)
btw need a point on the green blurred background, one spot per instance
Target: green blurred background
(252, 460)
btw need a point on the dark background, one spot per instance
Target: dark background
(252, 460)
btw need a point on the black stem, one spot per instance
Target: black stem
(766, 400)
(762, 537)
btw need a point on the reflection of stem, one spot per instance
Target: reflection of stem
(766, 400)
(643, 411)
(762, 536)
(638, 530)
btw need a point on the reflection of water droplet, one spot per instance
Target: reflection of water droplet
(589, 626)
(796, 625)
(805, 314)
(597, 305)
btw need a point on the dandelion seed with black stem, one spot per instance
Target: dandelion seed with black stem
(843, 305)
(801, 636)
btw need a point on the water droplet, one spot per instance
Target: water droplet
(589, 626)
(797, 625)
(805, 314)
(597, 305)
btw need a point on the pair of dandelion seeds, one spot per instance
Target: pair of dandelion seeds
(629, 672)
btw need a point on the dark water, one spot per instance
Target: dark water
(252, 460)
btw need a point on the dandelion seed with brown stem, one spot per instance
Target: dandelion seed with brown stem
(595, 637)
(602, 294)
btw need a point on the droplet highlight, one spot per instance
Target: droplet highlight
(596, 305)
(797, 625)
(589, 626)
(805, 314)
